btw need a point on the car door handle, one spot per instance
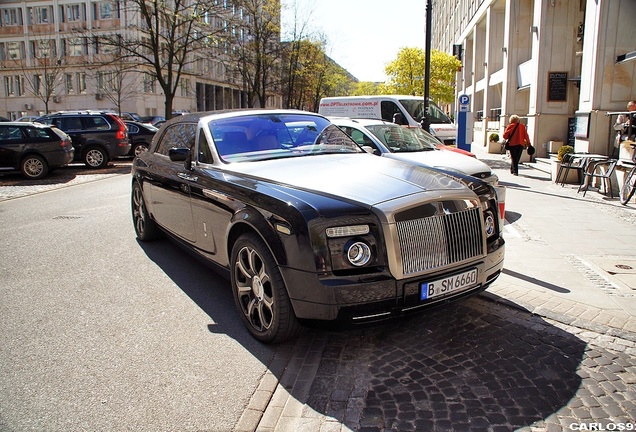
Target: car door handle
(188, 177)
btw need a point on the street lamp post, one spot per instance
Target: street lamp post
(426, 123)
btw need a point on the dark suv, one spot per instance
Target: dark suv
(34, 149)
(97, 136)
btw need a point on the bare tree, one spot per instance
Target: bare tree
(256, 48)
(162, 38)
(114, 81)
(44, 77)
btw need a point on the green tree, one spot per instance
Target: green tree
(406, 74)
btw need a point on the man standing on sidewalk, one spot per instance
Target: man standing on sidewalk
(518, 139)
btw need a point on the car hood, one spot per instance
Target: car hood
(361, 178)
(443, 159)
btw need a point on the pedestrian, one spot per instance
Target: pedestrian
(518, 139)
(625, 124)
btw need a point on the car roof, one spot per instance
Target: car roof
(25, 124)
(80, 112)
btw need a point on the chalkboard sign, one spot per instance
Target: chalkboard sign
(557, 86)
(571, 130)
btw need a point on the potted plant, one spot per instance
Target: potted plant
(494, 146)
(573, 176)
(563, 150)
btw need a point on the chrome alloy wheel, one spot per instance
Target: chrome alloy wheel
(34, 167)
(95, 158)
(254, 289)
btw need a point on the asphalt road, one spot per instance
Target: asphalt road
(100, 332)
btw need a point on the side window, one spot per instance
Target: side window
(4, 133)
(70, 123)
(180, 135)
(37, 133)
(205, 155)
(388, 109)
(96, 123)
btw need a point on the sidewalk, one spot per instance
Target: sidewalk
(569, 259)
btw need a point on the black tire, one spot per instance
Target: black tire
(34, 167)
(259, 291)
(95, 157)
(145, 228)
(629, 186)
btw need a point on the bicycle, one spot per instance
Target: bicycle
(629, 184)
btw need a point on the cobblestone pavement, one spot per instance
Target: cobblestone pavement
(476, 366)
(13, 185)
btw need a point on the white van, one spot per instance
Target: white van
(384, 107)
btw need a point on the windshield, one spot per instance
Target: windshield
(415, 108)
(272, 136)
(400, 139)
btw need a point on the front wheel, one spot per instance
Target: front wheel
(34, 167)
(629, 186)
(259, 291)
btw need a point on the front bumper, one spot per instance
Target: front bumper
(377, 297)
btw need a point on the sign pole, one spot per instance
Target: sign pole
(462, 122)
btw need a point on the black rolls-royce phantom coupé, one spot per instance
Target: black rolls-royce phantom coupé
(308, 225)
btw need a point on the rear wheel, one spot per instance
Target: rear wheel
(95, 157)
(627, 191)
(145, 228)
(139, 148)
(259, 291)
(34, 167)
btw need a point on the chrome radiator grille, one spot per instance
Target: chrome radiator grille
(440, 240)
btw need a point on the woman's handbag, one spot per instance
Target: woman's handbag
(506, 142)
(531, 150)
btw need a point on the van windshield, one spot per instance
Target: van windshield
(416, 110)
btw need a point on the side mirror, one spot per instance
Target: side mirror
(178, 154)
(368, 149)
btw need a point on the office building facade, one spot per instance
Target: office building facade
(561, 65)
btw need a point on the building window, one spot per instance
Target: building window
(14, 85)
(45, 49)
(37, 84)
(73, 12)
(75, 47)
(184, 85)
(41, 15)
(11, 17)
(81, 83)
(106, 82)
(14, 51)
(105, 10)
(70, 87)
(149, 83)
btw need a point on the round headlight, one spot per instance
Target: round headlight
(490, 224)
(358, 253)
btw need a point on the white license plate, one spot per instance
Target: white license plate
(455, 283)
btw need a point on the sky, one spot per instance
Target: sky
(362, 35)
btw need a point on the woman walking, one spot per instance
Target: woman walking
(518, 139)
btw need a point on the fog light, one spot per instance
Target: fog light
(359, 253)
